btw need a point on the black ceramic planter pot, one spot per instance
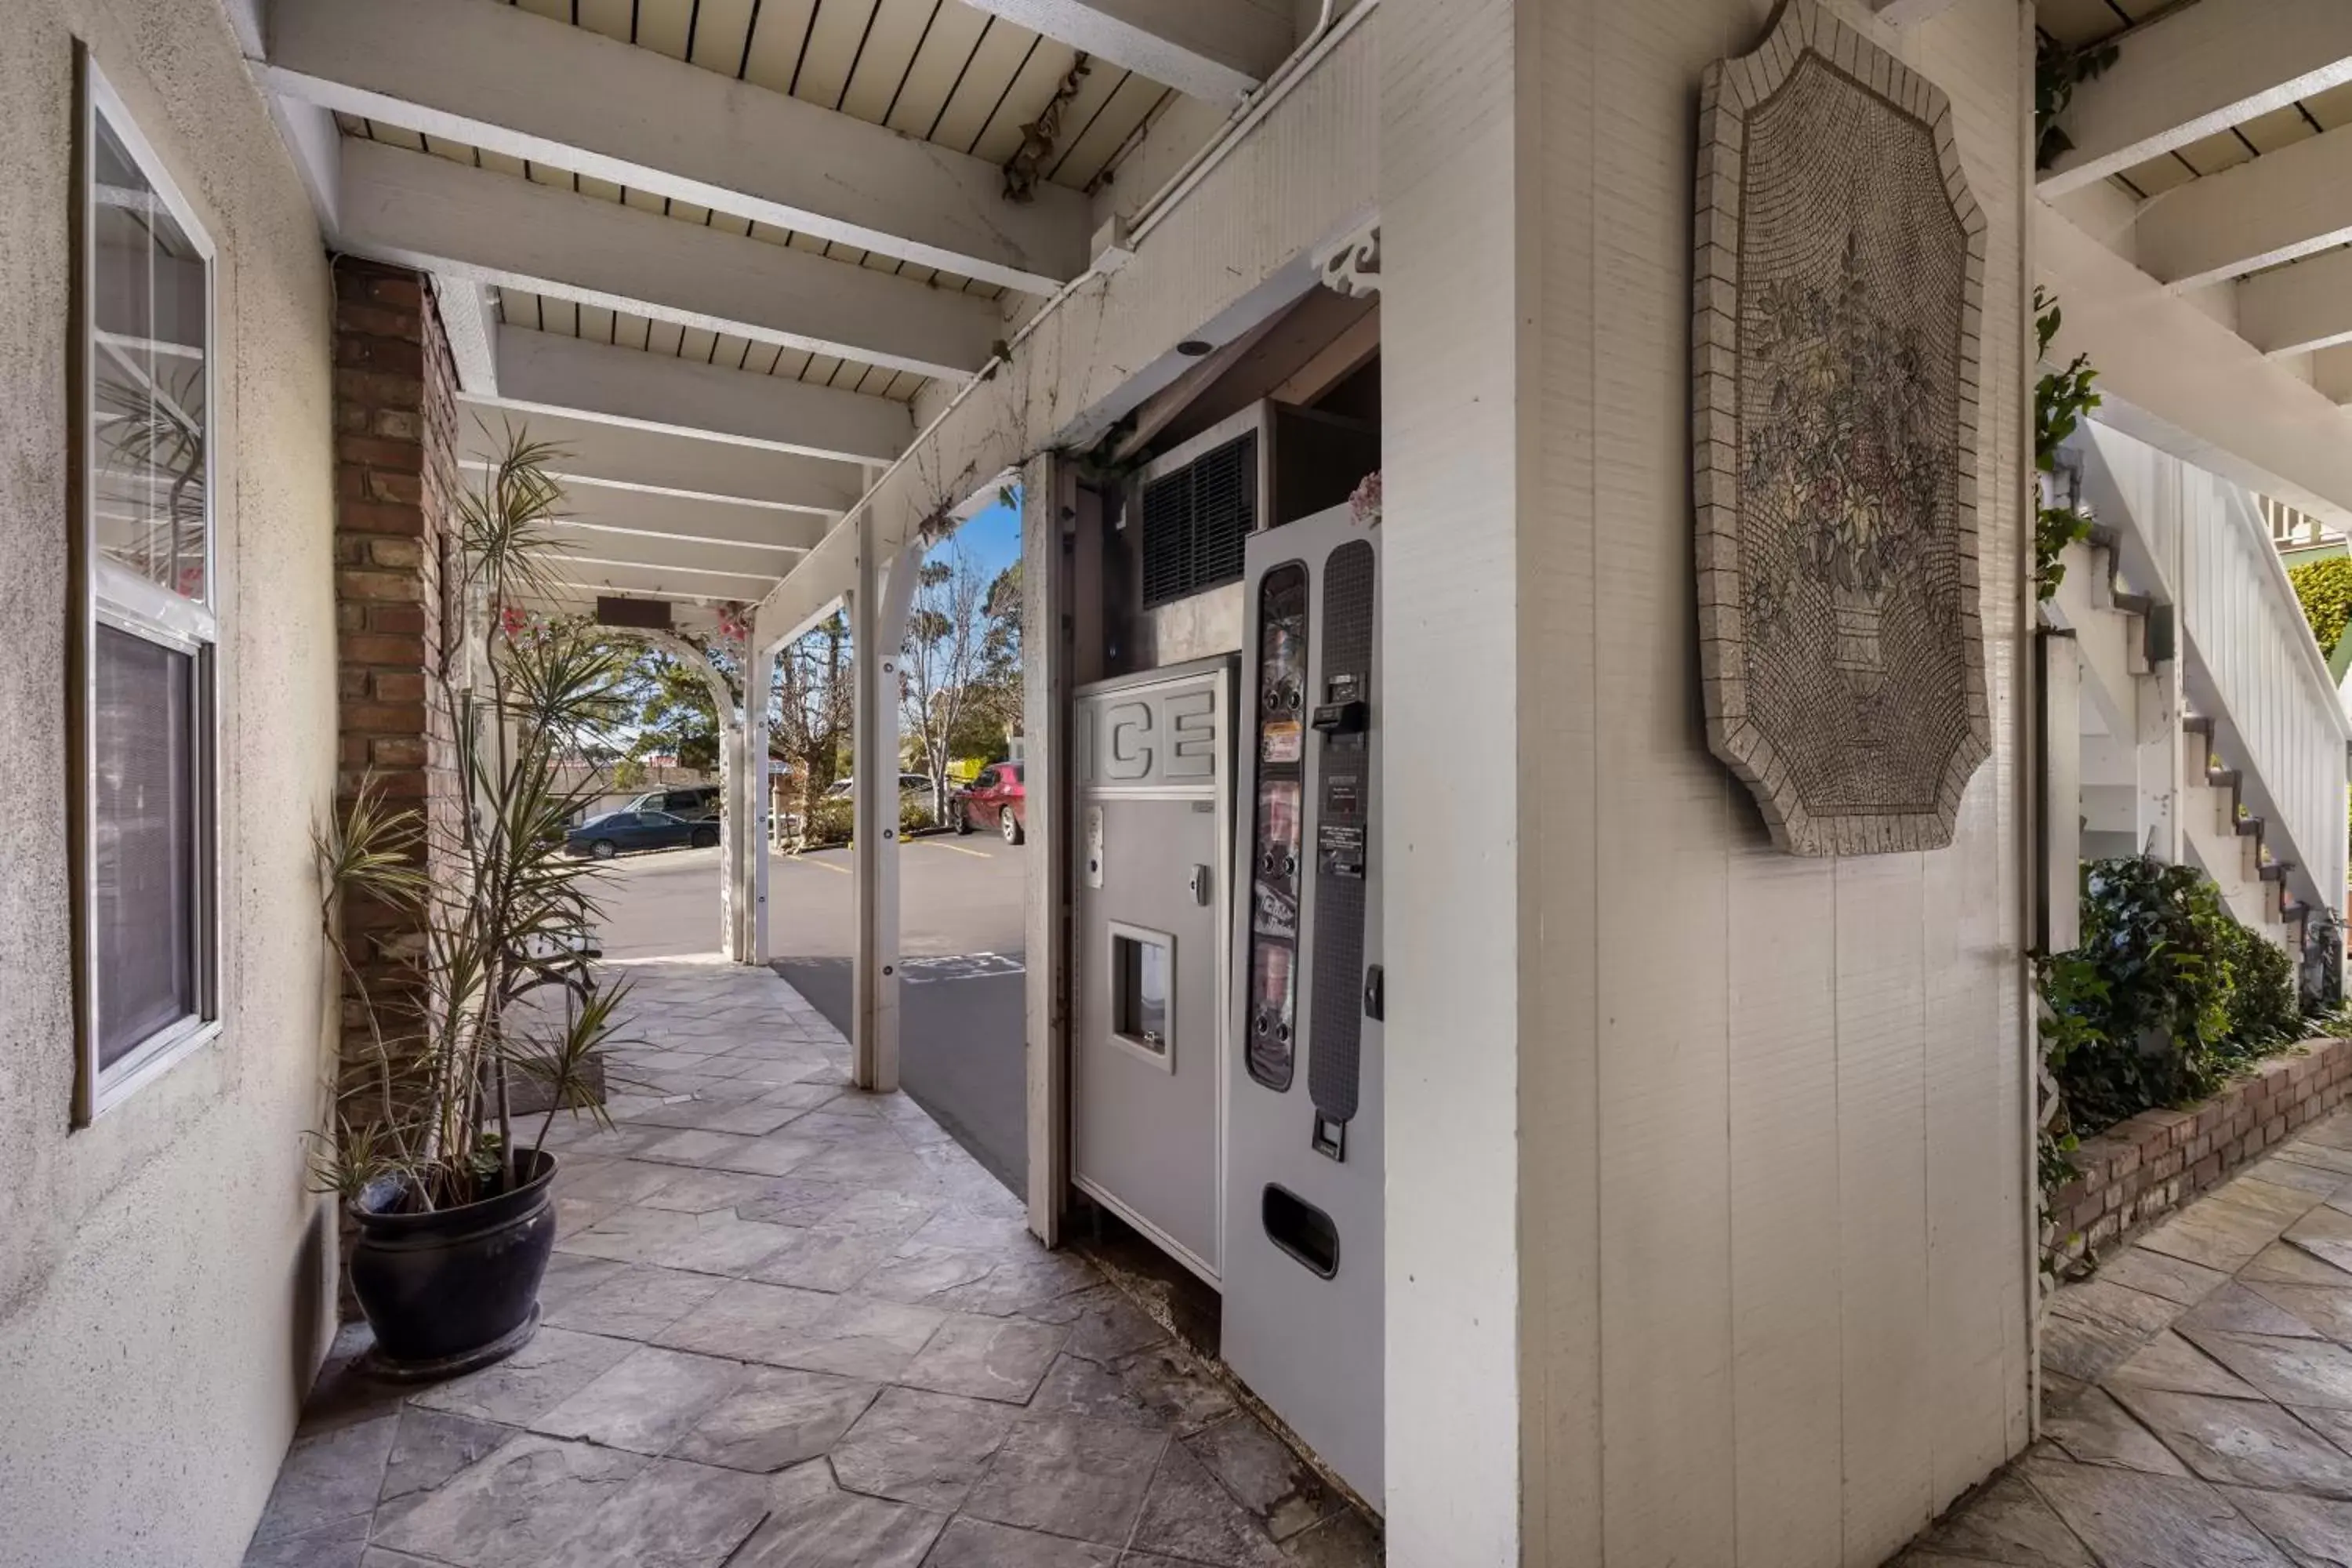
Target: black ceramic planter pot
(455, 1288)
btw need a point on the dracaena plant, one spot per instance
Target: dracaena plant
(482, 986)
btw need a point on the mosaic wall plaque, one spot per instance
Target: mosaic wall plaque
(1835, 357)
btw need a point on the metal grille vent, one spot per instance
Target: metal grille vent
(1196, 520)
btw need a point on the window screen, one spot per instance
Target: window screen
(143, 852)
(1196, 520)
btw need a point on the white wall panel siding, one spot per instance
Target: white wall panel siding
(1787, 1336)
(1773, 1269)
(1460, 838)
(1665, 1254)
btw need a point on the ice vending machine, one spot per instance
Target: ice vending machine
(1303, 1322)
(1154, 784)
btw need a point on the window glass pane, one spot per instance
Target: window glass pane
(148, 417)
(143, 850)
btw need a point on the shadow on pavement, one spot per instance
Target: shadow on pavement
(960, 1033)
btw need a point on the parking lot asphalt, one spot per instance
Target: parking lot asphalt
(956, 896)
(961, 1025)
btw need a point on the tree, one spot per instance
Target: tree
(1000, 650)
(809, 713)
(671, 708)
(956, 652)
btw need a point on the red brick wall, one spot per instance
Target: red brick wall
(2140, 1170)
(396, 486)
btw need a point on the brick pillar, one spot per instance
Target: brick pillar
(396, 486)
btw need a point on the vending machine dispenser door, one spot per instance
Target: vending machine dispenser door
(1154, 788)
(1303, 1318)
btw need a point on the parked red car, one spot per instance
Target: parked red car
(996, 796)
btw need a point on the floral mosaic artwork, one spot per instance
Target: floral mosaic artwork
(1840, 263)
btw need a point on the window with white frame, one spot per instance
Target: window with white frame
(143, 674)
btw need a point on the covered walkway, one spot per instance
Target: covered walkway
(789, 1323)
(2197, 1400)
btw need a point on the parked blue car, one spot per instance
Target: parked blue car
(604, 837)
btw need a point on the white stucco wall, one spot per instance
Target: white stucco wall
(165, 1283)
(1707, 1169)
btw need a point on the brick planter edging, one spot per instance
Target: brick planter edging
(2145, 1167)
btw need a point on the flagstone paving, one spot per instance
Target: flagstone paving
(792, 1325)
(2197, 1400)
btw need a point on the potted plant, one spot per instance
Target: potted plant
(483, 984)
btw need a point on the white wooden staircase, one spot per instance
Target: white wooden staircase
(2209, 730)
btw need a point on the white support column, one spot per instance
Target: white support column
(750, 855)
(731, 740)
(1049, 503)
(877, 612)
(730, 837)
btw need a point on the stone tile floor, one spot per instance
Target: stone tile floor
(792, 1325)
(2198, 1406)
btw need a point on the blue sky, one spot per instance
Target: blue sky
(992, 538)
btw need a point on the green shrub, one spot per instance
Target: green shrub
(2325, 588)
(2167, 997)
(833, 820)
(828, 821)
(2265, 1010)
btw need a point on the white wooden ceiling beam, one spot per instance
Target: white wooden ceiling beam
(499, 78)
(572, 547)
(466, 223)
(2331, 375)
(2305, 306)
(2275, 208)
(1908, 13)
(2175, 376)
(544, 373)
(655, 581)
(624, 458)
(1212, 49)
(594, 509)
(2196, 71)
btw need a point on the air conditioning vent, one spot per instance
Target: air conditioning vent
(1195, 520)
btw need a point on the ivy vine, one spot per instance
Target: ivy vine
(2057, 72)
(2062, 399)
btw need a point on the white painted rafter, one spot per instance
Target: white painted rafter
(2331, 374)
(2175, 376)
(576, 547)
(501, 79)
(2287, 204)
(655, 582)
(457, 221)
(2305, 306)
(575, 378)
(597, 509)
(622, 457)
(1212, 49)
(1908, 13)
(2196, 71)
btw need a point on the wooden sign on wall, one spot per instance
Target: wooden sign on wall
(1840, 267)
